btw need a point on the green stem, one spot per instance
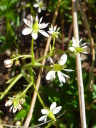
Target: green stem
(25, 76)
(52, 54)
(32, 52)
(10, 86)
(53, 45)
(22, 56)
(41, 101)
(32, 78)
(28, 86)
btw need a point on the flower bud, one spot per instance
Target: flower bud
(18, 123)
(8, 63)
(17, 62)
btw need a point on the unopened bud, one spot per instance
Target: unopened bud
(8, 63)
(18, 123)
(17, 62)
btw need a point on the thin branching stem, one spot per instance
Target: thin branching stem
(78, 67)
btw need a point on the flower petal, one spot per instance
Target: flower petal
(40, 20)
(68, 70)
(8, 103)
(43, 8)
(44, 111)
(53, 106)
(19, 107)
(50, 59)
(14, 109)
(34, 35)
(61, 77)
(50, 75)
(43, 25)
(35, 5)
(80, 40)
(58, 28)
(55, 28)
(74, 42)
(63, 59)
(27, 22)
(44, 33)
(39, 9)
(83, 44)
(50, 32)
(72, 49)
(43, 118)
(56, 110)
(31, 19)
(85, 52)
(26, 31)
(84, 47)
(36, 18)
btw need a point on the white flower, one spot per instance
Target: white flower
(35, 28)
(15, 103)
(49, 113)
(40, 5)
(8, 63)
(57, 68)
(77, 49)
(54, 31)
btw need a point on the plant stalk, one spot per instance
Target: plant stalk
(28, 119)
(78, 67)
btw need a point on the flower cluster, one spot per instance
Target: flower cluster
(54, 31)
(56, 68)
(35, 28)
(50, 113)
(40, 5)
(77, 49)
(15, 102)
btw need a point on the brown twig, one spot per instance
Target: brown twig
(28, 119)
(90, 38)
(78, 66)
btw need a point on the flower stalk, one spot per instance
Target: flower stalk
(32, 53)
(10, 86)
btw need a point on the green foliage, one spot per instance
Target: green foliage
(6, 11)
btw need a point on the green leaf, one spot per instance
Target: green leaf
(12, 3)
(11, 16)
(23, 113)
(2, 38)
(94, 87)
(1, 112)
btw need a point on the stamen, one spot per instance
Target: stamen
(9, 110)
(6, 101)
(27, 22)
